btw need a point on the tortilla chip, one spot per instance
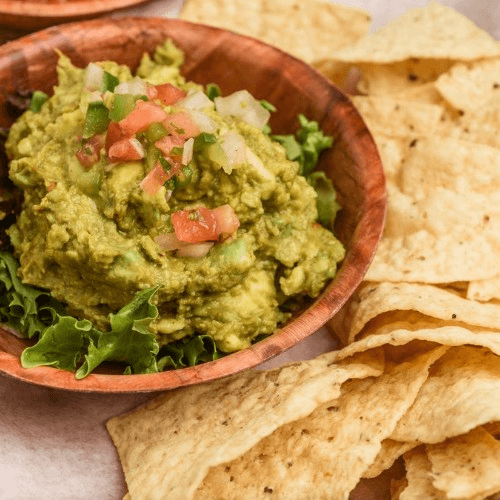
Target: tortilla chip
(400, 77)
(431, 32)
(460, 394)
(391, 450)
(466, 466)
(419, 478)
(443, 218)
(470, 87)
(339, 441)
(167, 446)
(484, 290)
(377, 298)
(398, 118)
(310, 31)
(425, 93)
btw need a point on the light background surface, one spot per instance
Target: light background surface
(53, 444)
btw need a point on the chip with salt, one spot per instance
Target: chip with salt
(460, 394)
(167, 446)
(484, 290)
(419, 480)
(375, 299)
(390, 451)
(397, 117)
(310, 31)
(328, 451)
(466, 466)
(470, 87)
(431, 32)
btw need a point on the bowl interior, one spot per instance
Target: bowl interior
(234, 62)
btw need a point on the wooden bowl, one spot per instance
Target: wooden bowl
(235, 62)
(30, 15)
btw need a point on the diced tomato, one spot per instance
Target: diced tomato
(169, 142)
(143, 114)
(182, 125)
(227, 220)
(195, 226)
(126, 149)
(90, 152)
(114, 134)
(155, 179)
(168, 94)
(151, 92)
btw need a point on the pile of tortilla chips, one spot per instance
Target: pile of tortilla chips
(413, 397)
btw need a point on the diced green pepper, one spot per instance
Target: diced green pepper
(203, 140)
(123, 104)
(109, 82)
(155, 132)
(96, 119)
(37, 100)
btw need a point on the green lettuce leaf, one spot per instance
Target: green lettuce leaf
(189, 351)
(129, 340)
(61, 345)
(25, 309)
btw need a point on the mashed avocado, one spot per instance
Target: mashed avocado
(97, 226)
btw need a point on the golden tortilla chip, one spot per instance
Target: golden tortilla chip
(339, 441)
(310, 31)
(419, 478)
(466, 466)
(167, 446)
(460, 394)
(469, 88)
(425, 93)
(400, 77)
(398, 118)
(377, 298)
(432, 32)
(484, 290)
(391, 450)
(443, 218)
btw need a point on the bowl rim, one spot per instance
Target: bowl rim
(29, 13)
(349, 275)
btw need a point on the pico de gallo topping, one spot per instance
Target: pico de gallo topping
(163, 126)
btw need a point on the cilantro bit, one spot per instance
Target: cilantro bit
(306, 146)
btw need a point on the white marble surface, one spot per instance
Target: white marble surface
(53, 444)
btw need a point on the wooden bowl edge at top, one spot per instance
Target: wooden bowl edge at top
(358, 169)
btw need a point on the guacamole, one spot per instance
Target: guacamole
(135, 182)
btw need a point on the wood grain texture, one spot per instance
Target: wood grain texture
(30, 15)
(235, 62)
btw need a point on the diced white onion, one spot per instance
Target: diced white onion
(195, 101)
(170, 242)
(93, 77)
(187, 152)
(196, 250)
(138, 147)
(234, 148)
(203, 121)
(245, 106)
(256, 162)
(134, 87)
